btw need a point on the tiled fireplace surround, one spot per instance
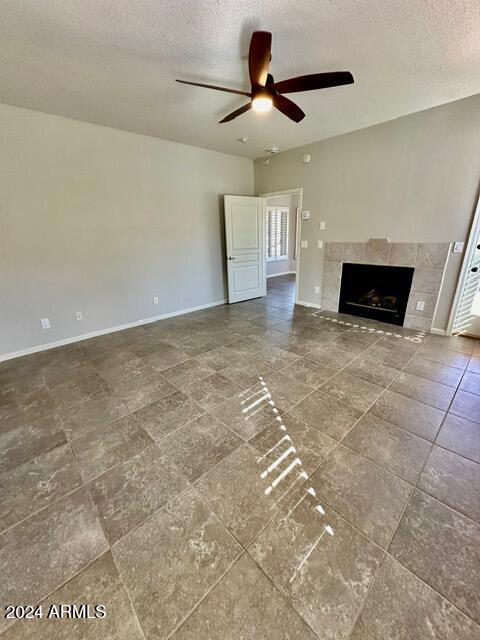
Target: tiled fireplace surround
(428, 258)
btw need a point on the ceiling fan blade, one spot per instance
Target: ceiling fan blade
(313, 81)
(212, 86)
(237, 112)
(288, 108)
(259, 57)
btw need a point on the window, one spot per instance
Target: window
(277, 233)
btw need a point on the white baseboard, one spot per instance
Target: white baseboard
(309, 304)
(283, 273)
(102, 332)
(438, 332)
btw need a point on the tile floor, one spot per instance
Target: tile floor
(252, 471)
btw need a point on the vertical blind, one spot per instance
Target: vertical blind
(277, 233)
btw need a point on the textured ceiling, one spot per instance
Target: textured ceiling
(114, 63)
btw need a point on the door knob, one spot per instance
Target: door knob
(474, 269)
(231, 258)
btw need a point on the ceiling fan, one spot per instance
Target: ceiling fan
(265, 92)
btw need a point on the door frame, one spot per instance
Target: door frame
(473, 238)
(294, 191)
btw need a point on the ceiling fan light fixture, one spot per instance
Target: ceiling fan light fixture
(262, 103)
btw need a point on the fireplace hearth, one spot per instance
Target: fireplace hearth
(375, 291)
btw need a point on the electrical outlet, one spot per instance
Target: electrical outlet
(420, 305)
(45, 322)
(317, 289)
(322, 224)
(78, 315)
(155, 300)
(458, 247)
(304, 244)
(320, 244)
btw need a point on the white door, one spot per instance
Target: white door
(465, 317)
(244, 231)
(467, 320)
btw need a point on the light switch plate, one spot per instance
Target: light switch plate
(304, 244)
(45, 322)
(317, 289)
(306, 215)
(322, 224)
(458, 247)
(420, 305)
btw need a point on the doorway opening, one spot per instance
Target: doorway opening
(282, 219)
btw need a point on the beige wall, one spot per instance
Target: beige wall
(413, 179)
(99, 221)
(289, 264)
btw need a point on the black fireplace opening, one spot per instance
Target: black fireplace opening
(375, 291)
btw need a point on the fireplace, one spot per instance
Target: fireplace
(375, 291)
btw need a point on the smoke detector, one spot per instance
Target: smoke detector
(272, 150)
(243, 139)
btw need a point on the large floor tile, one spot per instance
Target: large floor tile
(100, 450)
(92, 414)
(394, 449)
(121, 366)
(35, 483)
(462, 344)
(217, 359)
(212, 390)
(99, 583)
(130, 492)
(453, 480)
(276, 358)
(332, 355)
(402, 607)
(425, 368)
(439, 354)
(372, 371)
(351, 390)
(247, 414)
(369, 497)
(409, 414)
(441, 547)
(245, 370)
(172, 560)
(311, 445)
(460, 436)
(474, 365)
(45, 550)
(24, 443)
(235, 491)
(162, 355)
(308, 372)
(244, 604)
(298, 344)
(392, 354)
(143, 390)
(471, 382)
(187, 373)
(432, 393)
(168, 414)
(199, 445)
(466, 405)
(325, 573)
(326, 414)
(285, 390)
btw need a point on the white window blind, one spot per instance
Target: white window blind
(277, 233)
